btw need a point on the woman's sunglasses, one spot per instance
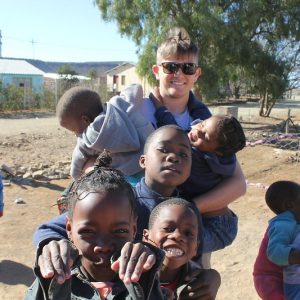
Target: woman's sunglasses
(172, 68)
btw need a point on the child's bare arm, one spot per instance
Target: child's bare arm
(224, 193)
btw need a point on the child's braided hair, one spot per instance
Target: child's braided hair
(102, 177)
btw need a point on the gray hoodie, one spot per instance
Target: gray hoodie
(120, 128)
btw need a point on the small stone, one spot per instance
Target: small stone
(19, 201)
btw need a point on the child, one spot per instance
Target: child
(101, 225)
(214, 144)
(174, 226)
(283, 198)
(166, 161)
(1, 197)
(119, 128)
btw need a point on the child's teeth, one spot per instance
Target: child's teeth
(175, 251)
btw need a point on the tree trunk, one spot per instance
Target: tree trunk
(262, 104)
(270, 108)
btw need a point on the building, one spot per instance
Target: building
(21, 74)
(54, 82)
(293, 94)
(121, 76)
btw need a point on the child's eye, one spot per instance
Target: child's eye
(183, 155)
(163, 150)
(86, 231)
(169, 229)
(121, 231)
(189, 233)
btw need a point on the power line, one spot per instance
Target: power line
(66, 46)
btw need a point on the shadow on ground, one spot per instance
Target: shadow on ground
(26, 114)
(13, 273)
(24, 182)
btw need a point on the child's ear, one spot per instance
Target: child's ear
(86, 120)
(146, 235)
(155, 69)
(142, 161)
(288, 205)
(196, 248)
(69, 229)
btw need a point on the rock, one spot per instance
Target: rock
(7, 169)
(27, 175)
(38, 174)
(19, 200)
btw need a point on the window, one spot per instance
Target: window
(123, 80)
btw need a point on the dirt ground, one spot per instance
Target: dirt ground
(35, 138)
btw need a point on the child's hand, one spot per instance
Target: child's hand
(134, 260)
(204, 287)
(156, 98)
(56, 260)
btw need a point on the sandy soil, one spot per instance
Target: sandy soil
(31, 139)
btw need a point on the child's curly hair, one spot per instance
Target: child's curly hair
(102, 177)
(230, 135)
(281, 194)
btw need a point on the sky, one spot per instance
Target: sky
(62, 31)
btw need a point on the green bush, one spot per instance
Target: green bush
(11, 98)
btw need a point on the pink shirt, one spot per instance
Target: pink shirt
(268, 277)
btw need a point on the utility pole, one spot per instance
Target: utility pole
(32, 43)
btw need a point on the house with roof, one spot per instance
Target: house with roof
(23, 75)
(122, 75)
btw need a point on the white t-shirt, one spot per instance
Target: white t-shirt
(148, 110)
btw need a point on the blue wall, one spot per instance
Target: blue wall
(37, 81)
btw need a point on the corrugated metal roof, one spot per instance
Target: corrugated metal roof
(10, 66)
(120, 68)
(58, 76)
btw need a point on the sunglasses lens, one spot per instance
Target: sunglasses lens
(189, 68)
(170, 68)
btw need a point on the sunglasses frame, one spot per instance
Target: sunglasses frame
(178, 66)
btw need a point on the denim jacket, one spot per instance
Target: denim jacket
(78, 286)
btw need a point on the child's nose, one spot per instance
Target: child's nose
(176, 234)
(104, 246)
(172, 157)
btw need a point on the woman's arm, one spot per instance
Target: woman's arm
(224, 193)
